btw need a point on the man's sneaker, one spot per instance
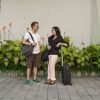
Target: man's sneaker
(36, 81)
(27, 82)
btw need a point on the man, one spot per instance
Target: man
(33, 60)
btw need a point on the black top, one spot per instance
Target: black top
(53, 43)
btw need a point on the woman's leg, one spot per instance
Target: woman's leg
(48, 72)
(52, 62)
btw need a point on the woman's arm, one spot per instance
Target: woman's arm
(62, 43)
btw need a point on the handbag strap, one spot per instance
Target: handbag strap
(31, 36)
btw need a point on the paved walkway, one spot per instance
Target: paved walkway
(83, 88)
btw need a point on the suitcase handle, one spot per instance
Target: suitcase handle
(62, 57)
(62, 54)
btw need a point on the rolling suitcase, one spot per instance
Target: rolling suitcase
(65, 71)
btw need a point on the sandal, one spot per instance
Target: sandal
(47, 81)
(52, 82)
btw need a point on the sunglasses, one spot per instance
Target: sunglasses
(52, 30)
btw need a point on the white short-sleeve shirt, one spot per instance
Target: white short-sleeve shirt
(36, 37)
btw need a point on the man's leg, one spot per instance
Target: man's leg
(28, 73)
(29, 64)
(35, 72)
(36, 61)
(35, 75)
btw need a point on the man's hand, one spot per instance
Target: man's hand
(34, 44)
(24, 41)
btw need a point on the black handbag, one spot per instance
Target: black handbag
(27, 49)
(45, 55)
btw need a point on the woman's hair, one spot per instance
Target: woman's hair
(57, 30)
(58, 33)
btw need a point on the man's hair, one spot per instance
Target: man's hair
(33, 24)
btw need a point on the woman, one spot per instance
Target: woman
(54, 42)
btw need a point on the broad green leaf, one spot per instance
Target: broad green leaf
(16, 59)
(6, 62)
(9, 55)
(1, 57)
(78, 61)
(82, 58)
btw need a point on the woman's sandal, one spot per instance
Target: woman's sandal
(47, 81)
(52, 82)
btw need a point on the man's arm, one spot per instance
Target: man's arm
(24, 41)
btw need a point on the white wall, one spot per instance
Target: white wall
(95, 21)
(72, 16)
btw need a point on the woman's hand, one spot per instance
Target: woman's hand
(58, 44)
(62, 44)
(49, 47)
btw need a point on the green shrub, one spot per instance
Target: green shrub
(86, 60)
(11, 58)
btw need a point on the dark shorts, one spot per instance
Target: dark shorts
(33, 60)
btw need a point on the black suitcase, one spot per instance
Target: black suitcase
(66, 72)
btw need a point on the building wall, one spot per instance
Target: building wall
(95, 21)
(72, 16)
